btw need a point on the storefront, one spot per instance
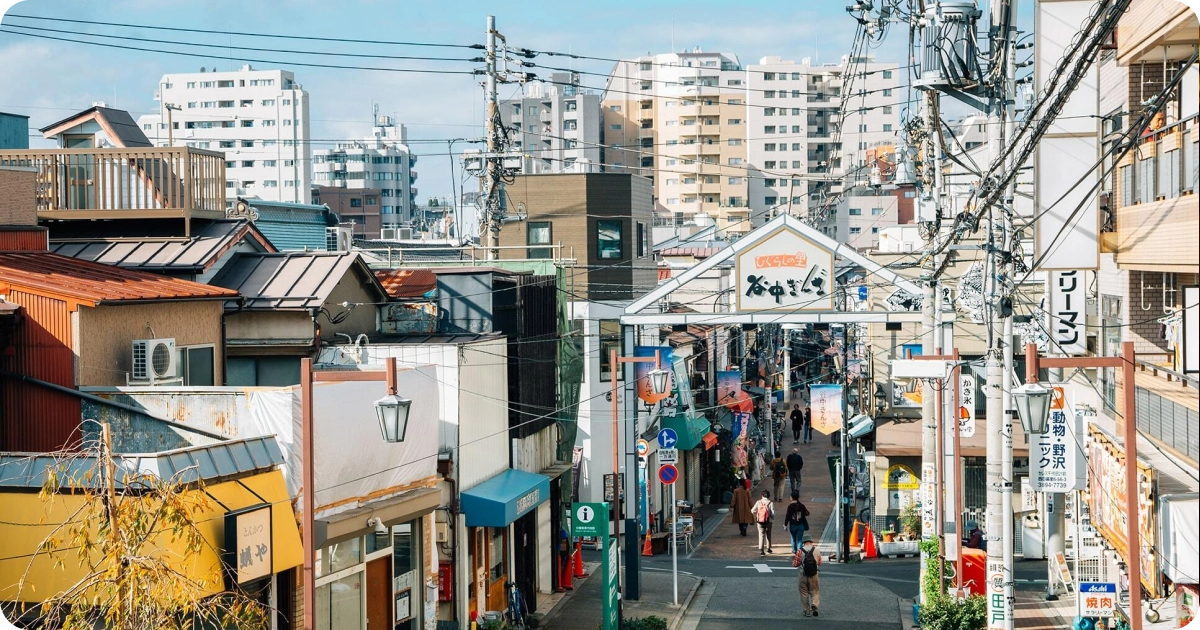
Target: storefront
(497, 551)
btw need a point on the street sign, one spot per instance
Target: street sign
(589, 519)
(667, 438)
(862, 294)
(668, 455)
(668, 474)
(643, 447)
(1097, 599)
(610, 490)
(610, 609)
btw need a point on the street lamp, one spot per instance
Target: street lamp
(880, 399)
(659, 379)
(1033, 406)
(393, 417)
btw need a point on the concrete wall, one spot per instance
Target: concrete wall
(362, 318)
(106, 335)
(268, 325)
(17, 187)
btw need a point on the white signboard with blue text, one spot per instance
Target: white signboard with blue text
(1097, 599)
(1057, 461)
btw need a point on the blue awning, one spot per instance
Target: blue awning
(504, 498)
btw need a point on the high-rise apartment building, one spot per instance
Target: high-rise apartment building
(680, 119)
(801, 151)
(258, 118)
(382, 161)
(556, 126)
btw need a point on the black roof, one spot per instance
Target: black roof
(119, 120)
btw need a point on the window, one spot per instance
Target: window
(1145, 179)
(247, 123)
(270, 183)
(735, 161)
(887, 127)
(672, 182)
(855, 212)
(230, 164)
(876, 212)
(610, 339)
(770, 201)
(247, 163)
(768, 76)
(191, 85)
(614, 127)
(856, 230)
(643, 240)
(768, 93)
(769, 111)
(224, 104)
(770, 146)
(645, 66)
(614, 108)
(862, 128)
(539, 233)
(874, 230)
(769, 164)
(887, 74)
(287, 122)
(770, 182)
(735, 142)
(797, 164)
(647, 162)
(795, 76)
(268, 162)
(194, 364)
(734, 121)
(608, 239)
(735, 180)
(230, 184)
(887, 109)
(736, 101)
(287, 101)
(796, 111)
(796, 146)
(247, 144)
(887, 92)
(269, 123)
(356, 203)
(226, 144)
(1168, 174)
(733, 82)
(796, 129)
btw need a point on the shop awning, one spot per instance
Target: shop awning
(709, 440)
(504, 498)
(691, 430)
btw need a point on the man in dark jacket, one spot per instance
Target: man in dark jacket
(807, 425)
(794, 464)
(797, 418)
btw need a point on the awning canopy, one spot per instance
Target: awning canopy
(504, 498)
(690, 429)
(710, 440)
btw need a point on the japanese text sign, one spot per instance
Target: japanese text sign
(1057, 459)
(1097, 599)
(966, 405)
(785, 271)
(248, 544)
(1068, 313)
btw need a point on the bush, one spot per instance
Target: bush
(645, 623)
(950, 613)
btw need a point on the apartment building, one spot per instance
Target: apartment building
(680, 119)
(556, 126)
(799, 148)
(382, 161)
(258, 118)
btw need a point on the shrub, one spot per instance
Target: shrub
(645, 623)
(950, 613)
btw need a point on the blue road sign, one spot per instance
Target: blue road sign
(667, 438)
(862, 294)
(668, 473)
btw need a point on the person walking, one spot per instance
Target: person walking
(796, 520)
(807, 425)
(779, 474)
(742, 515)
(809, 563)
(764, 512)
(797, 418)
(794, 463)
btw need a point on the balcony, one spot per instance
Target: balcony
(1158, 212)
(1149, 25)
(1167, 408)
(150, 183)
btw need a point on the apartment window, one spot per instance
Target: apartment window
(796, 146)
(769, 111)
(147, 126)
(770, 182)
(270, 183)
(610, 339)
(195, 365)
(770, 146)
(796, 129)
(248, 184)
(735, 142)
(769, 129)
(670, 123)
(769, 164)
(191, 85)
(796, 94)
(270, 123)
(798, 199)
(208, 104)
(875, 212)
(613, 108)
(1168, 174)
(230, 184)
(887, 74)
(672, 181)
(228, 83)
(672, 201)
(645, 66)
(770, 201)
(856, 230)
(736, 101)
(230, 164)
(608, 239)
(268, 162)
(191, 105)
(887, 109)
(672, 162)
(647, 123)
(247, 123)
(268, 102)
(647, 162)
(874, 230)
(862, 129)
(268, 143)
(247, 144)
(287, 101)
(643, 240)
(734, 121)
(887, 127)
(735, 161)
(768, 93)
(287, 122)
(208, 84)
(855, 212)
(570, 125)
(372, 201)
(247, 163)
(768, 76)
(1145, 180)
(887, 92)
(735, 180)
(797, 164)
(735, 202)
(614, 127)
(224, 104)
(733, 82)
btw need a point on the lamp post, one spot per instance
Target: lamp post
(392, 411)
(1034, 409)
(659, 384)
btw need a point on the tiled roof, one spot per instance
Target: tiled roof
(407, 283)
(291, 280)
(89, 282)
(167, 254)
(292, 226)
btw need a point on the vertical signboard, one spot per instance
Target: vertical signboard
(248, 544)
(1058, 463)
(1068, 316)
(610, 605)
(966, 405)
(826, 403)
(1106, 504)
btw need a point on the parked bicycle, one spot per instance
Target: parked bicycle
(518, 614)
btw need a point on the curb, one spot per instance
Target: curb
(905, 606)
(677, 619)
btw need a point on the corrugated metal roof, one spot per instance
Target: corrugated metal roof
(123, 126)
(164, 253)
(85, 281)
(291, 280)
(212, 463)
(407, 283)
(292, 226)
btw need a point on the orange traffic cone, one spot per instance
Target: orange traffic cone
(579, 572)
(869, 550)
(854, 533)
(646, 549)
(566, 575)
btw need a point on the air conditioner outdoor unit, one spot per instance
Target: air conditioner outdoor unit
(153, 360)
(404, 234)
(387, 234)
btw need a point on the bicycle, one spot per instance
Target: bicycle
(517, 612)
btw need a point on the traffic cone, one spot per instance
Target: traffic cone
(646, 549)
(854, 534)
(579, 573)
(869, 550)
(566, 575)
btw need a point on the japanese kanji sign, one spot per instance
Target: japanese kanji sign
(1097, 599)
(966, 405)
(785, 271)
(248, 544)
(1068, 313)
(1056, 457)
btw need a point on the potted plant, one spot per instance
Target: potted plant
(910, 522)
(888, 535)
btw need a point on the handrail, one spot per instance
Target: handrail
(1185, 379)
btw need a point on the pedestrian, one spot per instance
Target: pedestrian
(741, 507)
(974, 538)
(779, 474)
(809, 563)
(794, 463)
(807, 425)
(764, 511)
(797, 418)
(796, 520)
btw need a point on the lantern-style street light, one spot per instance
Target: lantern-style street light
(1032, 401)
(393, 417)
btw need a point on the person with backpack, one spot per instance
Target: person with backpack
(796, 520)
(779, 474)
(794, 464)
(764, 512)
(809, 563)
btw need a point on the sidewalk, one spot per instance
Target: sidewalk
(581, 609)
(1033, 612)
(722, 539)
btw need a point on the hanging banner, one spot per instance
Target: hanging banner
(826, 403)
(1106, 504)
(966, 405)
(1057, 459)
(730, 393)
(785, 271)
(1068, 316)
(641, 370)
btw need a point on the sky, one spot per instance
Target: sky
(48, 79)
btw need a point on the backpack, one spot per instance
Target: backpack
(762, 511)
(780, 470)
(808, 561)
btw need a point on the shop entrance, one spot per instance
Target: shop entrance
(525, 563)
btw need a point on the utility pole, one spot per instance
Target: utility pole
(930, 518)
(170, 107)
(491, 177)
